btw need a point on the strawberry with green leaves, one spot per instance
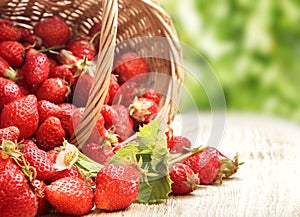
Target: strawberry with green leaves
(12, 52)
(211, 165)
(9, 92)
(38, 159)
(6, 71)
(50, 134)
(184, 180)
(70, 195)
(54, 31)
(143, 110)
(23, 114)
(116, 186)
(16, 196)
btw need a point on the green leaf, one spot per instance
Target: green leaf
(147, 136)
(154, 191)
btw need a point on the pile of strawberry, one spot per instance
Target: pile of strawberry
(45, 79)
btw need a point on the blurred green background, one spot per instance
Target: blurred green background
(252, 45)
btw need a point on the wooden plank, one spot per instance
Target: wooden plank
(266, 185)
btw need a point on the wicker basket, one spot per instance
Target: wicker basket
(121, 20)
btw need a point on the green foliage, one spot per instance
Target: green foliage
(253, 47)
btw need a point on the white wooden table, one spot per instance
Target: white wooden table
(266, 185)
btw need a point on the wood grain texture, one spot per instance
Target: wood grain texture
(266, 185)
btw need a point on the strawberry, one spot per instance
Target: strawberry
(126, 94)
(82, 48)
(63, 72)
(143, 110)
(53, 31)
(35, 69)
(9, 133)
(38, 159)
(94, 32)
(70, 195)
(9, 32)
(82, 89)
(123, 123)
(28, 37)
(50, 134)
(16, 197)
(131, 65)
(73, 172)
(6, 70)
(52, 63)
(12, 52)
(184, 180)
(152, 94)
(54, 90)
(178, 144)
(23, 114)
(117, 118)
(9, 92)
(113, 88)
(66, 116)
(97, 153)
(210, 165)
(47, 109)
(39, 190)
(116, 186)
(52, 155)
(98, 133)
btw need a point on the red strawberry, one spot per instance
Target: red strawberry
(143, 110)
(9, 32)
(81, 48)
(54, 90)
(63, 72)
(9, 92)
(29, 38)
(153, 95)
(39, 190)
(210, 165)
(50, 134)
(52, 63)
(35, 69)
(116, 186)
(97, 153)
(16, 197)
(113, 88)
(52, 155)
(70, 195)
(122, 124)
(66, 116)
(6, 71)
(53, 31)
(184, 180)
(12, 52)
(23, 114)
(38, 159)
(126, 94)
(9, 133)
(177, 144)
(73, 172)
(98, 133)
(47, 109)
(82, 89)
(131, 65)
